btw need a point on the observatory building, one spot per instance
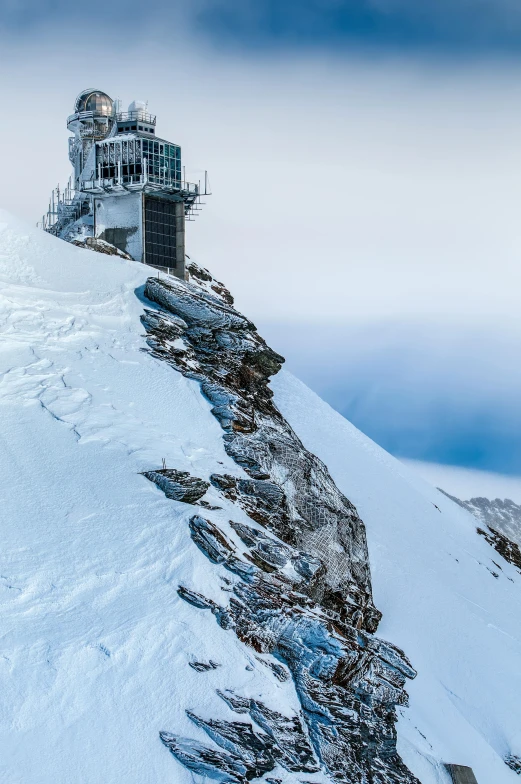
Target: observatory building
(128, 188)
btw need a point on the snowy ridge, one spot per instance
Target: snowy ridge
(98, 645)
(501, 515)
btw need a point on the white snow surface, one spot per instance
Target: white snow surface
(95, 641)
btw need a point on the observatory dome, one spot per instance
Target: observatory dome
(94, 101)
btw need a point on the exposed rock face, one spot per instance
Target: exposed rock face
(101, 246)
(514, 763)
(203, 278)
(344, 677)
(503, 524)
(207, 339)
(178, 485)
(502, 545)
(248, 751)
(203, 666)
(302, 592)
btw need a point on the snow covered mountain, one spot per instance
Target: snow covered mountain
(503, 515)
(181, 572)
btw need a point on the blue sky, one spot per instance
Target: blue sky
(365, 160)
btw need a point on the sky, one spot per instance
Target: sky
(365, 163)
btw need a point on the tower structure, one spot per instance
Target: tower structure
(128, 187)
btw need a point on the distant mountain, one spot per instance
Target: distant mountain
(503, 521)
(504, 516)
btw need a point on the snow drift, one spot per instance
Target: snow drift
(98, 643)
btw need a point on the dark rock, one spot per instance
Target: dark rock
(278, 670)
(203, 666)
(291, 746)
(302, 595)
(201, 277)
(240, 739)
(204, 760)
(210, 507)
(514, 763)
(178, 485)
(345, 678)
(101, 246)
(503, 546)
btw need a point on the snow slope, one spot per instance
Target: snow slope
(96, 642)
(432, 579)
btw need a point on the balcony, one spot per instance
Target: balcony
(188, 192)
(138, 116)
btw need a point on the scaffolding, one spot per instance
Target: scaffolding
(66, 206)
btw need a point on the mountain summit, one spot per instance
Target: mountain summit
(201, 557)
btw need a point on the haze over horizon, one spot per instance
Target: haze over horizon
(365, 166)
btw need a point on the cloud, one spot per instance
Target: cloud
(429, 392)
(443, 26)
(433, 27)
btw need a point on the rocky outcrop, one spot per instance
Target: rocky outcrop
(101, 246)
(205, 338)
(514, 763)
(178, 485)
(348, 682)
(502, 545)
(249, 751)
(203, 278)
(300, 588)
(203, 666)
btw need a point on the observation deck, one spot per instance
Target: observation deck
(136, 116)
(188, 192)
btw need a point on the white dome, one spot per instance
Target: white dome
(137, 106)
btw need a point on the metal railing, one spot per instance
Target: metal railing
(139, 182)
(139, 115)
(89, 116)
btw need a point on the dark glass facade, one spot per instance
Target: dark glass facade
(122, 158)
(130, 159)
(163, 162)
(160, 232)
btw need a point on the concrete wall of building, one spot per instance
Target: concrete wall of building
(119, 221)
(180, 240)
(88, 155)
